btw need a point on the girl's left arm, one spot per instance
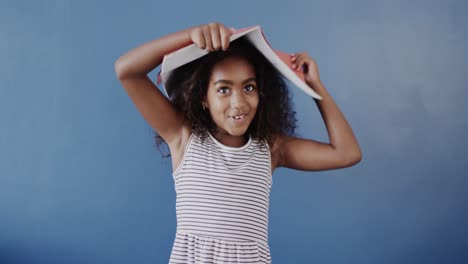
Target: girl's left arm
(305, 154)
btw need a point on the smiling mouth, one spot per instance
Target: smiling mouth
(238, 117)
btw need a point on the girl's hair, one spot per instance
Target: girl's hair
(274, 114)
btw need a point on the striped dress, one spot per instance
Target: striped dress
(222, 203)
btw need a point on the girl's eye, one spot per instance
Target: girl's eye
(223, 90)
(249, 88)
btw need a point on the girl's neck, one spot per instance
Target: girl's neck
(230, 140)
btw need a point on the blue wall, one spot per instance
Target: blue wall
(82, 182)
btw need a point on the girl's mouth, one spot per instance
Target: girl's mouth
(238, 117)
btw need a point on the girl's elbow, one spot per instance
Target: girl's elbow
(354, 158)
(350, 158)
(120, 68)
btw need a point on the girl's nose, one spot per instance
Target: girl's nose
(238, 99)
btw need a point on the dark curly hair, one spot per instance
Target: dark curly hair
(274, 115)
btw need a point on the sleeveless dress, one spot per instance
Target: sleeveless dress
(222, 202)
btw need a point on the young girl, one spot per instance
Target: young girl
(229, 124)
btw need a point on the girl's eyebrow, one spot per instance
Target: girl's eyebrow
(231, 82)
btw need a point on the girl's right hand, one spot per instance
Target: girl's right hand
(211, 37)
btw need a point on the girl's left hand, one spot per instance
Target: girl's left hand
(303, 62)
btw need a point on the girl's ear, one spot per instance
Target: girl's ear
(204, 103)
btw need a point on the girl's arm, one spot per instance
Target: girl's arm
(304, 154)
(133, 67)
(132, 70)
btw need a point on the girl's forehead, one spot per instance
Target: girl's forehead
(233, 67)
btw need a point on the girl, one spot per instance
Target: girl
(229, 125)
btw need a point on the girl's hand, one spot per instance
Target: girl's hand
(211, 37)
(303, 62)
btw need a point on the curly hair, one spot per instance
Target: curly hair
(275, 114)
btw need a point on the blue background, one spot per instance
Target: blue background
(81, 180)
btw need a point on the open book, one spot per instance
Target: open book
(279, 59)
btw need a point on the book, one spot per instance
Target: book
(280, 60)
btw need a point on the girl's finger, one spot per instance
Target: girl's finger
(300, 62)
(296, 61)
(197, 38)
(215, 36)
(207, 37)
(225, 34)
(306, 60)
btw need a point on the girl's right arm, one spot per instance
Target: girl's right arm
(132, 71)
(133, 67)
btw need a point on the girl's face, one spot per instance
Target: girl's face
(232, 96)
